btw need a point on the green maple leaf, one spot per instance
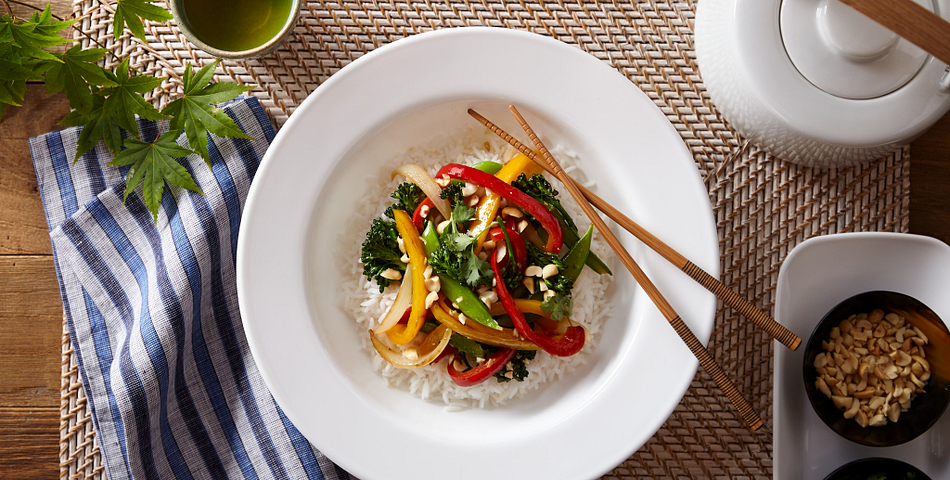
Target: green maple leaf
(97, 125)
(11, 92)
(32, 36)
(194, 113)
(124, 99)
(152, 165)
(132, 12)
(13, 76)
(74, 71)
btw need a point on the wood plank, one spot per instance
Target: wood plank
(929, 178)
(29, 443)
(63, 8)
(31, 316)
(23, 227)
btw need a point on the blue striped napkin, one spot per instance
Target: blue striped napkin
(153, 313)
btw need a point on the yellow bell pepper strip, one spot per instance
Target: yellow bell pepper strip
(417, 260)
(429, 350)
(506, 337)
(560, 345)
(527, 305)
(487, 207)
(513, 195)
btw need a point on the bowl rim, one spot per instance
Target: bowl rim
(708, 246)
(876, 459)
(261, 50)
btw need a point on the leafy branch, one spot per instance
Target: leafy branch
(105, 102)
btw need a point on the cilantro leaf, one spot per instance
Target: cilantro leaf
(476, 271)
(194, 113)
(457, 242)
(124, 100)
(462, 214)
(131, 13)
(558, 306)
(153, 164)
(74, 71)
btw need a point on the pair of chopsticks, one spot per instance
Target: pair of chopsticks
(584, 197)
(741, 305)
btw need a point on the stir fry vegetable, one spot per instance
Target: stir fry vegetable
(483, 283)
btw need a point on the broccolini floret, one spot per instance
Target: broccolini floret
(559, 282)
(463, 266)
(541, 190)
(453, 193)
(381, 252)
(408, 196)
(517, 366)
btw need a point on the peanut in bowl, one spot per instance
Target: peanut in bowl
(875, 368)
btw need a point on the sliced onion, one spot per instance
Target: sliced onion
(399, 305)
(430, 349)
(425, 181)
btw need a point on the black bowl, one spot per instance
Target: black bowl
(925, 409)
(867, 467)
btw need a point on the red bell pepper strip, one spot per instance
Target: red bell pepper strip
(519, 251)
(417, 217)
(449, 350)
(513, 195)
(560, 345)
(480, 373)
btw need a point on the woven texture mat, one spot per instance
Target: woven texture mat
(763, 207)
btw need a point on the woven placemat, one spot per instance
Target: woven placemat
(763, 207)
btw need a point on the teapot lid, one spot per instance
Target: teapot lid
(845, 53)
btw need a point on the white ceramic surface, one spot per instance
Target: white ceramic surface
(331, 152)
(816, 276)
(845, 53)
(754, 83)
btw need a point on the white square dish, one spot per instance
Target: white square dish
(814, 278)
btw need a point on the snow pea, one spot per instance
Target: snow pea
(577, 256)
(456, 291)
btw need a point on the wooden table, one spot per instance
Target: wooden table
(31, 310)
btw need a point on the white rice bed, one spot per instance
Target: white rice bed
(361, 296)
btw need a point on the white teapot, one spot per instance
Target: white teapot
(815, 82)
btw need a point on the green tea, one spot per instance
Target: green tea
(235, 25)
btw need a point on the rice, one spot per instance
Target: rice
(361, 296)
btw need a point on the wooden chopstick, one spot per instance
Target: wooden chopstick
(729, 297)
(746, 411)
(906, 18)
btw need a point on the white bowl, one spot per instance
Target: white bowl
(817, 275)
(332, 151)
